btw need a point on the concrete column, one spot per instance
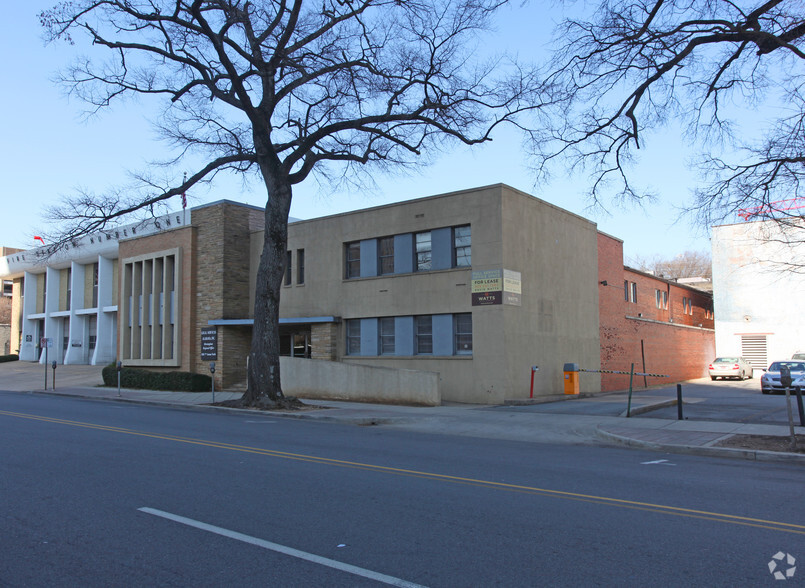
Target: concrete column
(28, 349)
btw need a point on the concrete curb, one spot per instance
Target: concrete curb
(728, 452)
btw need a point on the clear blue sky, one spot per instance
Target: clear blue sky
(49, 149)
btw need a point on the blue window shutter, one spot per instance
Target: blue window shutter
(368, 258)
(369, 336)
(442, 244)
(404, 335)
(442, 334)
(404, 253)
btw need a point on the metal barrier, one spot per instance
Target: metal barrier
(572, 380)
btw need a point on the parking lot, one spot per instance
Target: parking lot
(703, 400)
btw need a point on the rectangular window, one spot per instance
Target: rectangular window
(462, 330)
(423, 335)
(8, 286)
(69, 288)
(300, 266)
(354, 337)
(353, 260)
(386, 333)
(423, 252)
(626, 290)
(634, 292)
(94, 285)
(288, 271)
(665, 300)
(462, 246)
(386, 253)
(659, 298)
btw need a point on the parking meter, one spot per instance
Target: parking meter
(785, 376)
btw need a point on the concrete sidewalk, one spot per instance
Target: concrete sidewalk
(514, 423)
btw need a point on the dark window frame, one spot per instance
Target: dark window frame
(460, 333)
(353, 336)
(385, 260)
(423, 337)
(300, 266)
(462, 252)
(352, 263)
(386, 336)
(423, 258)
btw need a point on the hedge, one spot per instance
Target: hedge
(12, 357)
(148, 380)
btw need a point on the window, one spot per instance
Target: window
(626, 290)
(8, 287)
(462, 246)
(69, 288)
(300, 266)
(354, 337)
(633, 297)
(354, 260)
(662, 299)
(288, 271)
(462, 331)
(94, 285)
(687, 305)
(386, 331)
(386, 253)
(423, 335)
(423, 252)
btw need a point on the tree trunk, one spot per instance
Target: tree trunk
(264, 388)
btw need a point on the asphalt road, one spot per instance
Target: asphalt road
(100, 494)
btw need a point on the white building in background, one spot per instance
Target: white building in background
(71, 298)
(757, 297)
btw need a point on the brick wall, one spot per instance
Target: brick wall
(222, 284)
(183, 239)
(323, 341)
(679, 349)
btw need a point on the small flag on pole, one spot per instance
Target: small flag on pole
(38, 238)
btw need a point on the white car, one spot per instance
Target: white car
(730, 367)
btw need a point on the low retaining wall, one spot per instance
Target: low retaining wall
(330, 380)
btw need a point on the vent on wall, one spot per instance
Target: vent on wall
(753, 348)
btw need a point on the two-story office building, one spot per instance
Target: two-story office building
(476, 285)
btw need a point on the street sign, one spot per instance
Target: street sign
(209, 343)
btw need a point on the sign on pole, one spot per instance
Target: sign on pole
(209, 343)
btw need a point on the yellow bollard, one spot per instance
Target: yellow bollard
(571, 378)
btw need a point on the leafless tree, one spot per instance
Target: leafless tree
(637, 65)
(280, 89)
(690, 264)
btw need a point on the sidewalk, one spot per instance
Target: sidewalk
(508, 423)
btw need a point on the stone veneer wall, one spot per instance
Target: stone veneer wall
(324, 341)
(222, 284)
(184, 238)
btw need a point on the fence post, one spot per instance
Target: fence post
(679, 401)
(629, 403)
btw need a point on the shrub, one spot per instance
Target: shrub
(148, 380)
(12, 357)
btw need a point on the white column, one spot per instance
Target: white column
(28, 346)
(78, 323)
(53, 325)
(106, 338)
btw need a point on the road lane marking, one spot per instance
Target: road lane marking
(619, 502)
(276, 547)
(657, 462)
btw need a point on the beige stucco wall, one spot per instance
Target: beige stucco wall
(330, 380)
(555, 251)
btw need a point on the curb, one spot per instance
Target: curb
(728, 452)
(649, 407)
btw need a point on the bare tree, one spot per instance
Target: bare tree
(635, 66)
(690, 264)
(281, 89)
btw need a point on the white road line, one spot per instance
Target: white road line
(330, 563)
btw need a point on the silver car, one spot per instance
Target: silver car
(730, 367)
(770, 380)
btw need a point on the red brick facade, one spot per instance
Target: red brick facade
(676, 339)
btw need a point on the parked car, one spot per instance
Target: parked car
(798, 356)
(730, 367)
(770, 380)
